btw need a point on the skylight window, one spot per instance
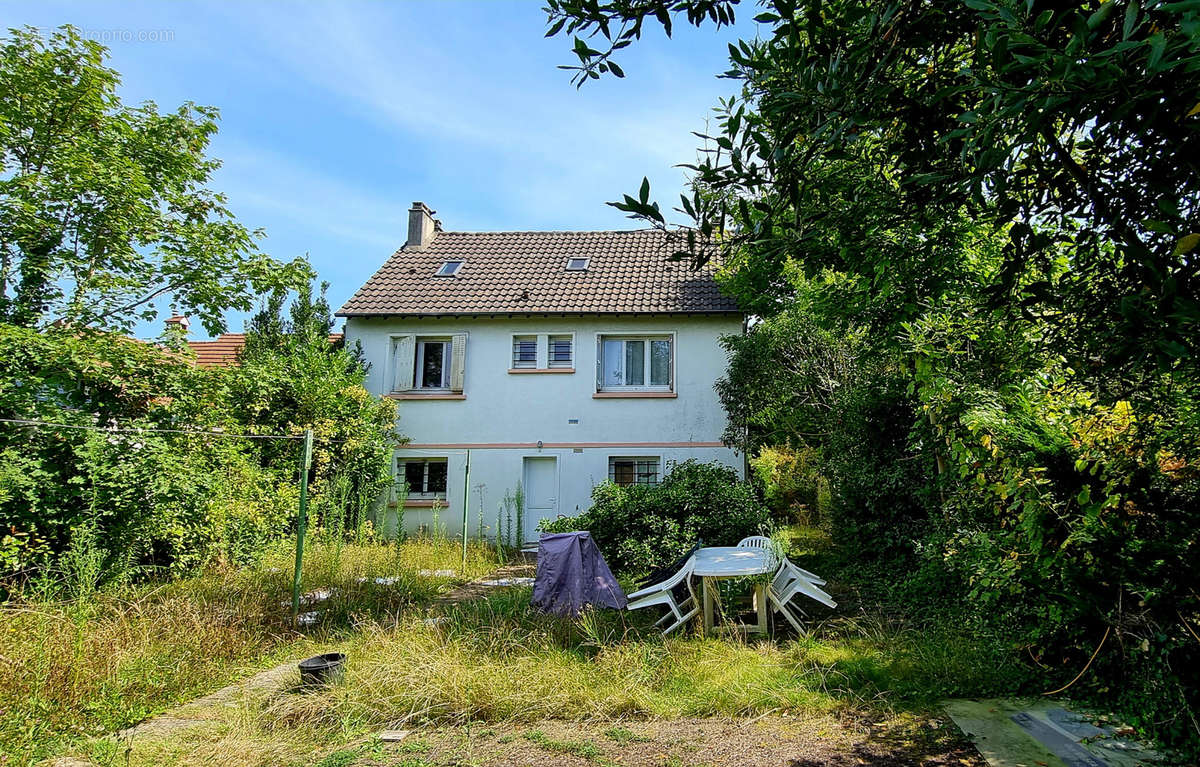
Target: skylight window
(577, 264)
(449, 268)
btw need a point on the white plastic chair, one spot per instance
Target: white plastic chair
(776, 588)
(763, 542)
(790, 581)
(813, 578)
(756, 542)
(661, 594)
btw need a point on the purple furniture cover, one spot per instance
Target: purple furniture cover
(571, 573)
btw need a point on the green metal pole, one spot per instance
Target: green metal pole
(302, 519)
(466, 517)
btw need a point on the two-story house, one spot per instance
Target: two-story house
(553, 359)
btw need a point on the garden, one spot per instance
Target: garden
(966, 236)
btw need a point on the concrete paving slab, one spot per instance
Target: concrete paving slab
(1000, 740)
(1040, 733)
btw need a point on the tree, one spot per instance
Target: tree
(106, 208)
(1074, 125)
(292, 374)
(1004, 195)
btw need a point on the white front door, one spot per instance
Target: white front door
(541, 493)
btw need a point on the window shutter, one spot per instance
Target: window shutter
(404, 351)
(458, 357)
(599, 362)
(671, 368)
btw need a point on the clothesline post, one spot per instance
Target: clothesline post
(302, 518)
(466, 517)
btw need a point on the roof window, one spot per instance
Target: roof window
(449, 268)
(577, 264)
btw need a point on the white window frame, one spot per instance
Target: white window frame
(406, 357)
(647, 337)
(458, 265)
(516, 364)
(420, 495)
(420, 343)
(587, 262)
(570, 364)
(636, 459)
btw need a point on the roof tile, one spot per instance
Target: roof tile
(525, 272)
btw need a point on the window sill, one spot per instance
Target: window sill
(425, 395)
(515, 371)
(634, 395)
(420, 503)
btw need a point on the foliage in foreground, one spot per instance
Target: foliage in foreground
(81, 668)
(971, 230)
(120, 504)
(106, 207)
(643, 527)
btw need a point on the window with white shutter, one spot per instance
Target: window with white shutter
(403, 348)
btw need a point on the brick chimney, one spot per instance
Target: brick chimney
(422, 226)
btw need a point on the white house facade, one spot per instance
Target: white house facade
(556, 360)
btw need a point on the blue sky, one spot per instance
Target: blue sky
(335, 117)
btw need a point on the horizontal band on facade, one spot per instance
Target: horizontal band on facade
(416, 395)
(534, 445)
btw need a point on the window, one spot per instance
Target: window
(639, 362)
(429, 364)
(633, 471)
(524, 352)
(449, 269)
(432, 364)
(425, 477)
(577, 264)
(560, 352)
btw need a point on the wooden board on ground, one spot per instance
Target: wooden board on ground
(393, 736)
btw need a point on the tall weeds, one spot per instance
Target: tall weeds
(78, 662)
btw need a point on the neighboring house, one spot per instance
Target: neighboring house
(557, 359)
(223, 350)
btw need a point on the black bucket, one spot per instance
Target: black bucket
(322, 670)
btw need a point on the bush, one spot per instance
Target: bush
(641, 527)
(880, 478)
(166, 498)
(791, 482)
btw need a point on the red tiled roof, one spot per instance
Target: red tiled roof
(525, 272)
(223, 350)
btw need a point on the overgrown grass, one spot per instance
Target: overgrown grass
(497, 661)
(493, 660)
(72, 669)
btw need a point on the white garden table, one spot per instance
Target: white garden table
(716, 562)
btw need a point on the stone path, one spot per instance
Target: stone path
(205, 711)
(523, 568)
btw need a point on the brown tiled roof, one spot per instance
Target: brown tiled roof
(525, 272)
(223, 350)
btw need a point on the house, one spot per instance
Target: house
(223, 351)
(552, 359)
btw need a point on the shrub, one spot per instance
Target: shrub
(791, 482)
(641, 527)
(164, 498)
